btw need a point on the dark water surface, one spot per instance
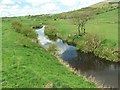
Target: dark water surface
(104, 72)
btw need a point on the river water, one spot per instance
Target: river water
(103, 71)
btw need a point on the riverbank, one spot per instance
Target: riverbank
(81, 63)
(26, 64)
(101, 37)
(92, 44)
(89, 43)
(80, 74)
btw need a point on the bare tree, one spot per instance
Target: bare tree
(80, 19)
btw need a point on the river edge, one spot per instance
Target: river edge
(97, 47)
(78, 73)
(73, 43)
(90, 79)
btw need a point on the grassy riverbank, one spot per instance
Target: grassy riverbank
(103, 28)
(25, 64)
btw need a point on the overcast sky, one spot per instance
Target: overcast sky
(36, 7)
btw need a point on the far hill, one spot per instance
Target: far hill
(99, 8)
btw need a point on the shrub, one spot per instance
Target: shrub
(51, 32)
(29, 32)
(88, 43)
(106, 52)
(37, 26)
(53, 48)
(24, 30)
(102, 48)
(17, 26)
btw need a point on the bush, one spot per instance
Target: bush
(17, 26)
(51, 32)
(106, 52)
(53, 48)
(88, 43)
(29, 32)
(102, 48)
(24, 30)
(37, 26)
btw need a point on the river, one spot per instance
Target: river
(104, 72)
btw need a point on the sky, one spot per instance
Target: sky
(36, 7)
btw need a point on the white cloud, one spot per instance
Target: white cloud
(34, 7)
(15, 7)
(9, 10)
(7, 2)
(49, 7)
(69, 2)
(27, 7)
(38, 2)
(85, 3)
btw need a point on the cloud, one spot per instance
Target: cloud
(69, 3)
(7, 2)
(36, 7)
(50, 7)
(38, 2)
(85, 3)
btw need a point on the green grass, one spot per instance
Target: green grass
(27, 65)
(105, 24)
(64, 27)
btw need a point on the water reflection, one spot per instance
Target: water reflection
(42, 38)
(104, 71)
(91, 62)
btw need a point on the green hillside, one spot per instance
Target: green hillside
(26, 64)
(104, 25)
(97, 8)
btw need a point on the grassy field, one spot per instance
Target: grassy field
(104, 26)
(27, 65)
(63, 26)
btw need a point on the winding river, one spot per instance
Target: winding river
(104, 72)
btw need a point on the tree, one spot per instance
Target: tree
(80, 19)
